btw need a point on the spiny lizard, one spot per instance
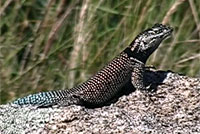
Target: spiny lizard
(108, 82)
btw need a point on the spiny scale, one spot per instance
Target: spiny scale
(108, 82)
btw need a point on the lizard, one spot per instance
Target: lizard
(102, 87)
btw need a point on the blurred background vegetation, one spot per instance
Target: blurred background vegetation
(56, 44)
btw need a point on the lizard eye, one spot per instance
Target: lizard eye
(151, 32)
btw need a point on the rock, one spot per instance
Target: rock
(173, 107)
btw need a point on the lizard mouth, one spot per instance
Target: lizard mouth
(167, 35)
(167, 32)
(162, 30)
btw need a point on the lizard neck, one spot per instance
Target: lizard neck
(138, 56)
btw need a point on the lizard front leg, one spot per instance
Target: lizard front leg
(137, 77)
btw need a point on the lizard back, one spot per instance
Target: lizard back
(105, 84)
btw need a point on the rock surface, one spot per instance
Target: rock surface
(174, 107)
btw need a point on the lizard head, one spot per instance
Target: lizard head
(148, 41)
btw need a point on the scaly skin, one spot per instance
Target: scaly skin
(108, 82)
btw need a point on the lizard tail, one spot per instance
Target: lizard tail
(44, 99)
